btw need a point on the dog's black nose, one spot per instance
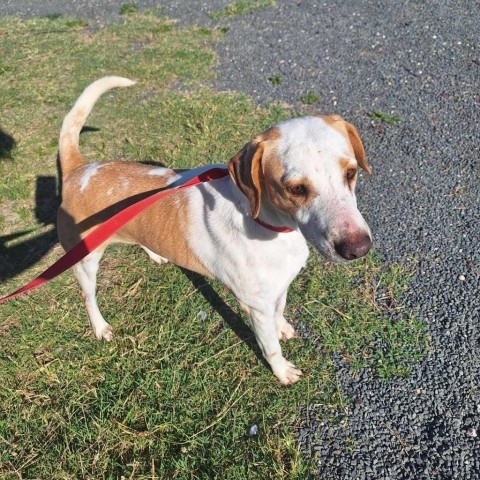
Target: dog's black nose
(354, 247)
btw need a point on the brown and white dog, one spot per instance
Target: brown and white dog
(299, 174)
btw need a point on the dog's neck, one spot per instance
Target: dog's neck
(270, 216)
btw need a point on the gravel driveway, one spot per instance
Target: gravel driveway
(418, 61)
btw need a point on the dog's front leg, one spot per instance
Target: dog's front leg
(264, 326)
(285, 330)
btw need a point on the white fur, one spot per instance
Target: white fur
(159, 171)
(156, 258)
(86, 273)
(90, 170)
(256, 264)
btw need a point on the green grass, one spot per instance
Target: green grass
(54, 16)
(173, 396)
(310, 98)
(128, 8)
(276, 79)
(384, 117)
(241, 8)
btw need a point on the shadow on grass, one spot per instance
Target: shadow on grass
(7, 144)
(21, 256)
(230, 317)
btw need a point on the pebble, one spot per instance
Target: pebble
(472, 432)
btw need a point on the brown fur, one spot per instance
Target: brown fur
(246, 167)
(71, 159)
(80, 211)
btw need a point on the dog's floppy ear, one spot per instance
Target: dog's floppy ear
(246, 171)
(357, 147)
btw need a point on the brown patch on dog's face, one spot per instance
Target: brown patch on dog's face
(349, 171)
(286, 194)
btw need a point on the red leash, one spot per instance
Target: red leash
(109, 227)
(106, 230)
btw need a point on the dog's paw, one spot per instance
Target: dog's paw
(285, 331)
(104, 333)
(288, 373)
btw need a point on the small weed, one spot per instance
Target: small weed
(241, 8)
(54, 16)
(128, 8)
(205, 31)
(384, 117)
(276, 79)
(398, 346)
(224, 28)
(310, 98)
(3, 68)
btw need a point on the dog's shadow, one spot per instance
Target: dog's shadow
(22, 255)
(230, 317)
(7, 144)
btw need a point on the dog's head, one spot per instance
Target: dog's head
(307, 169)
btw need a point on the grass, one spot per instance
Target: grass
(128, 8)
(276, 79)
(241, 8)
(384, 117)
(174, 395)
(310, 98)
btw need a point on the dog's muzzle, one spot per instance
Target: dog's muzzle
(353, 247)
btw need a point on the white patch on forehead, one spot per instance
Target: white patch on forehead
(90, 170)
(309, 136)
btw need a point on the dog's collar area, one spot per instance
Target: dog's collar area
(217, 173)
(273, 228)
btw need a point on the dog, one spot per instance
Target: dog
(298, 176)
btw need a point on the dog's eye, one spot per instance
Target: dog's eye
(298, 190)
(351, 172)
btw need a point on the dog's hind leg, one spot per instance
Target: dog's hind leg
(86, 274)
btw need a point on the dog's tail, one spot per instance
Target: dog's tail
(69, 150)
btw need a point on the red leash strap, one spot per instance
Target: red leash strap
(106, 230)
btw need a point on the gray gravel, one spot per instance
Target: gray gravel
(420, 61)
